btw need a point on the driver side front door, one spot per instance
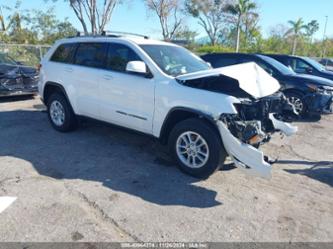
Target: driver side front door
(126, 99)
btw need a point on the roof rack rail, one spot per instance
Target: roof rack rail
(82, 34)
(120, 33)
(115, 34)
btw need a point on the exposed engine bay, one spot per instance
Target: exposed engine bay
(253, 123)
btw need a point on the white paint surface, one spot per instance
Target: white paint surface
(5, 202)
(251, 77)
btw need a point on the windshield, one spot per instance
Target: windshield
(5, 59)
(314, 63)
(174, 60)
(277, 65)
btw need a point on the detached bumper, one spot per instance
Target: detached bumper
(245, 156)
(321, 103)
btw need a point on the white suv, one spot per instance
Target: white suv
(164, 90)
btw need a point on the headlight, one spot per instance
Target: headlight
(328, 88)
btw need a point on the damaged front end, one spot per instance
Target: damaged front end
(259, 112)
(16, 80)
(256, 121)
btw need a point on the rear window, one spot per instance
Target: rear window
(91, 55)
(64, 53)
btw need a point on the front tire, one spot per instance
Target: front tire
(60, 113)
(297, 100)
(196, 147)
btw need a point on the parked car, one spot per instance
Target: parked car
(327, 63)
(16, 78)
(309, 94)
(164, 90)
(303, 65)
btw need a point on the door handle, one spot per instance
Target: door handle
(107, 77)
(69, 69)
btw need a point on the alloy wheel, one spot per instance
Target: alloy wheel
(298, 104)
(192, 149)
(57, 113)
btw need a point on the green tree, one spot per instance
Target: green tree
(211, 16)
(48, 28)
(241, 10)
(311, 28)
(185, 34)
(296, 31)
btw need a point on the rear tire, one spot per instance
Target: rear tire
(196, 147)
(60, 113)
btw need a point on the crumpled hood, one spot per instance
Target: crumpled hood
(251, 78)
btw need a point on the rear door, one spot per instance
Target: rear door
(126, 99)
(85, 74)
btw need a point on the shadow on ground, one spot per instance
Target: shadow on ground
(320, 171)
(120, 160)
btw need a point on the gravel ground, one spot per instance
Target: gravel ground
(102, 183)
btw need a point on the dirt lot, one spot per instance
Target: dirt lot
(102, 183)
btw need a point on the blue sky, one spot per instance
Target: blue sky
(133, 17)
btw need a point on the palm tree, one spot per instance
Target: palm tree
(241, 9)
(312, 28)
(296, 31)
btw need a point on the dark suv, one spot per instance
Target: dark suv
(16, 78)
(309, 94)
(303, 65)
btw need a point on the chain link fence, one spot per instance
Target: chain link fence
(25, 53)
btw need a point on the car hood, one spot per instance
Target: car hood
(251, 78)
(327, 73)
(312, 79)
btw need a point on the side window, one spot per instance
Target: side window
(118, 57)
(300, 67)
(64, 53)
(223, 62)
(91, 55)
(267, 68)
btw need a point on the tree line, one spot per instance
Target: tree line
(229, 25)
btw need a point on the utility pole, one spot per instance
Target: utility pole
(324, 38)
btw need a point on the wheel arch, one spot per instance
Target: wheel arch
(294, 90)
(52, 87)
(178, 114)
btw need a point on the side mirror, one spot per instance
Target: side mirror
(138, 67)
(309, 70)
